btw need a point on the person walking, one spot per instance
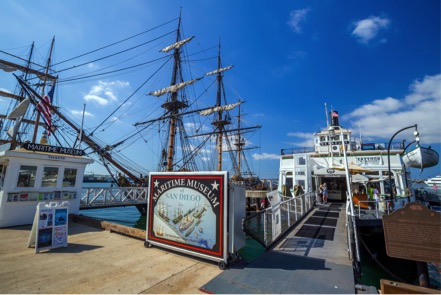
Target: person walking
(325, 193)
(320, 194)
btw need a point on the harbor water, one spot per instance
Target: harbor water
(375, 263)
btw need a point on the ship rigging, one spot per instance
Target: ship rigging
(171, 117)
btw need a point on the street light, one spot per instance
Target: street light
(417, 139)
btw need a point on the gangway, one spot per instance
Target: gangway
(104, 197)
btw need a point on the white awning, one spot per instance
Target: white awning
(329, 172)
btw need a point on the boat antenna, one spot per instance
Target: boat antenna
(326, 113)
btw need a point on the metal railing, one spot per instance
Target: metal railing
(98, 197)
(266, 228)
(352, 235)
(377, 208)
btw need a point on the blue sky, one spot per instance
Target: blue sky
(376, 62)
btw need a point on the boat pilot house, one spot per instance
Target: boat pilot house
(38, 173)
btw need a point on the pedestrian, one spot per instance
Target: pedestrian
(371, 193)
(298, 191)
(325, 193)
(320, 194)
(122, 181)
(376, 194)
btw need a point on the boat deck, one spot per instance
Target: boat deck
(312, 258)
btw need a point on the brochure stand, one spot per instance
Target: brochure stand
(50, 227)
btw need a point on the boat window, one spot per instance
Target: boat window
(26, 176)
(301, 182)
(301, 161)
(50, 175)
(69, 177)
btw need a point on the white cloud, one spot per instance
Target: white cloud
(426, 90)
(265, 156)
(384, 117)
(105, 92)
(79, 113)
(295, 18)
(368, 29)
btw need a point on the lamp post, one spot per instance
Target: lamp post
(388, 155)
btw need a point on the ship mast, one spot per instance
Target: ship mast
(174, 105)
(103, 151)
(220, 122)
(34, 137)
(239, 144)
(21, 94)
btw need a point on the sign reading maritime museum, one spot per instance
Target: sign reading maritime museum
(52, 149)
(187, 212)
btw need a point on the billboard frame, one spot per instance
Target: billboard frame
(179, 203)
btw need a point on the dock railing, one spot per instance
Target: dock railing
(352, 235)
(376, 208)
(266, 228)
(100, 197)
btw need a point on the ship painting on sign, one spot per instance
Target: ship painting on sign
(368, 167)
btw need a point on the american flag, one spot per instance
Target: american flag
(334, 114)
(43, 107)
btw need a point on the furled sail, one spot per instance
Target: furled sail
(11, 95)
(173, 88)
(176, 45)
(11, 67)
(20, 110)
(218, 71)
(219, 108)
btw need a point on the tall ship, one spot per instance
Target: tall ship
(186, 122)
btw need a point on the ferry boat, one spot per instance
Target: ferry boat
(325, 163)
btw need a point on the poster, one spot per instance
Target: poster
(50, 228)
(60, 236)
(44, 239)
(187, 212)
(60, 216)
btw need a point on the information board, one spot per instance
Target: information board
(50, 227)
(187, 213)
(413, 233)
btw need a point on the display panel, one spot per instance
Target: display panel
(187, 212)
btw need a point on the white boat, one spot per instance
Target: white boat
(434, 181)
(323, 162)
(421, 158)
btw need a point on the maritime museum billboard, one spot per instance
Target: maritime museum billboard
(187, 213)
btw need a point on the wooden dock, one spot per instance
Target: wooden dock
(97, 261)
(312, 258)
